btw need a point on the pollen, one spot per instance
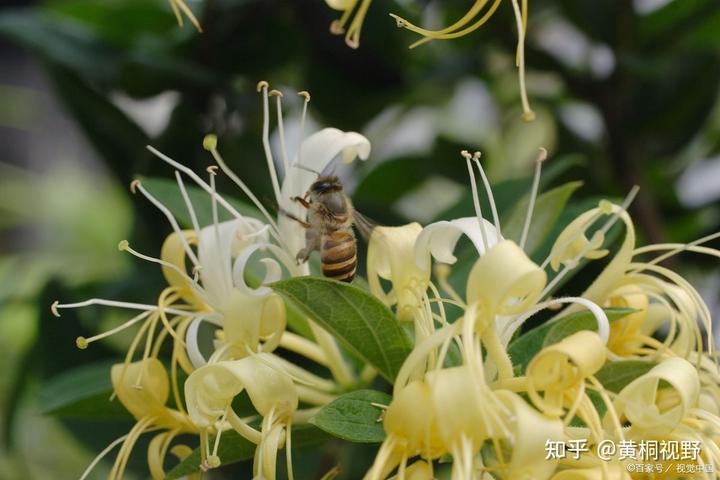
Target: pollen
(210, 142)
(81, 343)
(123, 245)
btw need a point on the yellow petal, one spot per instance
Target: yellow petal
(210, 389)
(655, 411)
(149, 399)
(247, 318)
(505, 280)
(173, 252)
(531, 430)
(559, 369)
(411, 417)
(391, 256)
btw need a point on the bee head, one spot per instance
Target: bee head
(326, 185)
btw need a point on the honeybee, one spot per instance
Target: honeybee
(330, 218)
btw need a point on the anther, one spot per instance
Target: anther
(305, 94)
(54, 308)
(134, 185)
(213, 461)
(262, 84)
(528, 116)
(123, 245)
(275, 93)
(605, 207)
(401, 23)
(542, 156)
(476, 156)
(196, 269)
(212, 169)
(81, 343)
(466, 154)
(336, 28)
(210, 142)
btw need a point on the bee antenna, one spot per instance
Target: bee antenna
(307, 169)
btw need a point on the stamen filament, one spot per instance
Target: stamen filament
(125, 246)
(188, 203)
(488, 191)
(114, 303)
(533, 196)
(176, 228)
(263, 87)
(281, 130)
(476, 200)
(83, 342)
(528, 115)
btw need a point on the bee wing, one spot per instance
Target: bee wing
(363, 225)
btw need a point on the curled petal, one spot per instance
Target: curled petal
(572, 241)
(173, 252)
(505, 280)
(560, 369)
(273, 270)
(624, 329)
(440, 238)
(218, 245)
(247, 318)
(653, 410)
(209, 390)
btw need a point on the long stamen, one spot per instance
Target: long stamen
(337, 27)
(533, 196)
(102, 454)
(528, 115)
(306, 100)
(281, 129)
(211, 146)
(476, 199)
(288, 451)
(212, 170)
(199, 181)
(488, 191)
(113, 303)
(678, 249)
(82, 342)
(136, 185)
(352, 38)
(125, 246)
(263, 87)
(188, 203)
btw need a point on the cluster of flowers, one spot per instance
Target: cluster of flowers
(481, 413)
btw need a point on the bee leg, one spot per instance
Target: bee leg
(302, 201)
(312, 243)
(293, 217)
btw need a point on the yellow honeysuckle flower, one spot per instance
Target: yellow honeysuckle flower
(391, 256)
(338, 27)
(146, 400)
(469, 23)
(209, 392)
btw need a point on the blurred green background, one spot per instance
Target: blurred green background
(626, 92)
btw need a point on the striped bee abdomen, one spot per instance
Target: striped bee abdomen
(338, 255)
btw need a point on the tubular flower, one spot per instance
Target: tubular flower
(210, 390)
(475, 18)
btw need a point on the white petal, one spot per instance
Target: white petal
(440, 238)
(216, 249)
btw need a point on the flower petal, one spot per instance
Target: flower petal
(440, 239)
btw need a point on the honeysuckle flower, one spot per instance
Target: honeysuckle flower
(210, 390)
(348, 7)
(148, 405)
(476, 17)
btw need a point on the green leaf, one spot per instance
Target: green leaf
(617, 375)
(360, 321)
(352, 416)
(168, 192)
(524, 349)
(83, 392)
(546, 213)
(234, 448)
